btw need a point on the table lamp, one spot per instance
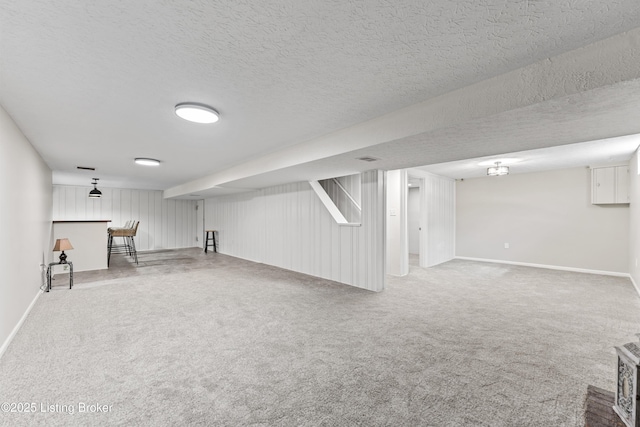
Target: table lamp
(62, 245)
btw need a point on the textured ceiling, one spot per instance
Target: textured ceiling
(93, 83)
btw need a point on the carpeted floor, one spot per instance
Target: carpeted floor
(207, 339)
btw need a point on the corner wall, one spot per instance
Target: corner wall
(25, 215)
(546, 218)
(634, 220)
(287, 226)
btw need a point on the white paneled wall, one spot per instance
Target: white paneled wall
(438, 212)
(288, 226)
(164, 224)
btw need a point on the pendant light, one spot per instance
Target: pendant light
(95, 193)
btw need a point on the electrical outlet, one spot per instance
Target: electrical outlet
(65, 268)
(506, 246)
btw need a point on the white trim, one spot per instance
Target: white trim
(549, 267)
(15, 330)
(331, 207)
(346, 193)
(635, 285)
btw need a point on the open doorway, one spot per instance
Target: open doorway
(413, 219)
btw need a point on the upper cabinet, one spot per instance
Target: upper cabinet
(610, 185)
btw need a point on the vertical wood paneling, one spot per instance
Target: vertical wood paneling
(171, 224)
(116, 208)
(179, 218)
(81, 197)
(135, 210)
(163, 223)
(158, 231)
(106, 204)
(288, 227)
(125, 206)
(55, 197)
(438, 213)
(70, 203)
(143, 212)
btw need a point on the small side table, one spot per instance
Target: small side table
(70, 264)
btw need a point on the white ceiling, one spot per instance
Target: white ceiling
(611, 151)
(94, 83)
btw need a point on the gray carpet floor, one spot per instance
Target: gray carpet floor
(188, 338)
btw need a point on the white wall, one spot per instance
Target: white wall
(546, 218)
(438, 213)
(164, 224)
(25, 215)
(634, 220)
(413, 219)
(287, 226)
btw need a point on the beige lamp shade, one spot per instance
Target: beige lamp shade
(62, 245)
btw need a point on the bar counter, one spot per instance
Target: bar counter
(89, 241)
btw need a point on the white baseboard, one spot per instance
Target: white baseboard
(550, 267)
(15, 330)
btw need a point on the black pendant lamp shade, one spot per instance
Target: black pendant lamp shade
(95, 193)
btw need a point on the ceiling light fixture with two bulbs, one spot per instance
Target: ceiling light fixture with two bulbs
(498, 170)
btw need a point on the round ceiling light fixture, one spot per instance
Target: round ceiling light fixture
(146, 161)
(197, 113)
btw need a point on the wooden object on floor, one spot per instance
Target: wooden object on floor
(211, 239)
(127, 234)
(599, 409)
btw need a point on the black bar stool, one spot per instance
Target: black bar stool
(211, 239)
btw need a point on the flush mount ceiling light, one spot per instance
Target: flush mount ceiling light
(95, 193)
(197, 113)
(147, 162)
(498, 170)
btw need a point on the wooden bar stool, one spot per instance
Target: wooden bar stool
(127, 234)
(211, 239)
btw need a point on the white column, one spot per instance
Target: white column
(397, 234)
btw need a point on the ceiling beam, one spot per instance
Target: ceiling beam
(598, 65)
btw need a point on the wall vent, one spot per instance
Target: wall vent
(368, 159)
(85, 168)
